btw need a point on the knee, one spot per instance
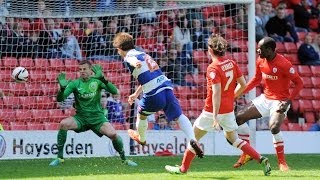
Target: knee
(275, 128)
(239, 119)
(63, 125)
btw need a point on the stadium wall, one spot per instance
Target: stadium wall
(42, 144)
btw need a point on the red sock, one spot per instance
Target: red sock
(247, 149)
(280, 152)
(187, 159)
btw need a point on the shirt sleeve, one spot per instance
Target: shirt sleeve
(256, 80)
(109, 87)
(295, 78)
(213, 76)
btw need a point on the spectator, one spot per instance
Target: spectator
(167, 20)
(111, 31)
(42, 9)
(195, 13)
(3, 39)
(260, 30)
(162, 123)
(315, 126)
(241, 18)
(106, 5)
(149, 15)
(173, 125)
(267, 11)
(280, 29)
(302, 14)
(115, 109)
(199, 35)
(182, 36)
(127, 26)
(147, 40)
(316, 44)
(3, 12)
(70, 47)
(307, 54)
(159, 48)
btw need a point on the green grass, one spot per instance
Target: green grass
(211, 167)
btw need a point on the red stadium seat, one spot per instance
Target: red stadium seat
(295, 105)
(56, 64)
(306, 93)
(305, 105)
(316, 93)
(18, 126)
(309, 117)
(316, 105)
(50, 89)
(184, 103)
(18, 89)
(125, 78)
(244, 69)
(114, 77)
(301, 35)
(37, 75)
(242, 44)
(315, 70)
(280, 47)
(41, 63)
(196, 104)
(45, 102)
(56, 115)
(240, 57)
(5, 75)
(35, 126)
(27, 63)
(23, 115)
(202, 68)
(199, 92)
(71, 64)
(27, 102)
(306, 126)
(307, 83)
(10, 62)
(40, 115)
(200, 56)
(109, 66)
(182, 91)
(72, 75)
(290, 47)
(8, 114)
(50, 126)
(294, 127)
(52, 75)
(69, 112)
(199, 79)
(316, 82)
(293, 58)
(284, 127)
(11, 102)
(189, 79)
(5, 87)
(304, 70)
(34, 89)
(216, 10)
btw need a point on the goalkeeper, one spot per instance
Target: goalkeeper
(89, 112)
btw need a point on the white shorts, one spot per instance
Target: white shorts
(265, 106)
(226, 121)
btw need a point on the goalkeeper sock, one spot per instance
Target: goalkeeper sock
(187, 159)
(118, 146)
(62, 137)
(279, 146)
(186, 127)
(247, 149)
(142, 126)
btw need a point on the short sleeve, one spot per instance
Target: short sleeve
(213, 76)
(238, 72)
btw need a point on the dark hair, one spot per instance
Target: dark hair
(269, 42)
(85, 62)
(124, 41)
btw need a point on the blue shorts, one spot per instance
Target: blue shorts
(164, 100)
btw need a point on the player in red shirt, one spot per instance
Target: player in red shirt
(276, 72)
(224, 82)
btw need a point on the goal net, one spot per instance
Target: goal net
(48, 37)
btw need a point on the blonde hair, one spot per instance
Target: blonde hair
(218, 44)
(124, 41)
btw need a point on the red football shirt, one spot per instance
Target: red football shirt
(276, 76)
(226, 72)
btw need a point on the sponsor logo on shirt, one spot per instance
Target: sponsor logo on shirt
(212, 75)
(274, 70)
(93, 86)
(291, 70)
(269, 77)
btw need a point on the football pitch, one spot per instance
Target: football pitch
(150, 167)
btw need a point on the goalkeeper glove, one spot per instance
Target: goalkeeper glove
(63, 82)
(98, 74)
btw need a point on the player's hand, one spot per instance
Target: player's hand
(138, 64)
(132, 98)
(216, 125)
(63, 82)
(283, 106)
(97, 69)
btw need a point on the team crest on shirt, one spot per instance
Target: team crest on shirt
(93, 86)
(291, 70)
(212, 75)
(274, 70)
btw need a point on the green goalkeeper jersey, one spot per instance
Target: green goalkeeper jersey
(87, 95)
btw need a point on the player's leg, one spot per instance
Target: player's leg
(66, 124)
(108, 130)
(276, 119)
(250, 111)
(226, 121)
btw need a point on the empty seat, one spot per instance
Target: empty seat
(199, 79)
(52, 75)
(240, 57)
(309, 117)
(50, 89)
(184, 103)
(199, 92)
(305, 105)
(23, 115)
(307, 83)
(196, 104)
(315, 70)
(5, 75)
(41, 63)
(306, 126)
(27, 102)
(18, 89)
(37, 75)
(50, 126)
(315, 82)
(199, 56)
(18, 126)
(215, 10)
(280, 47)
(8, 114)
(40, 115)
(34, 126)
(45, 102)
(11, 102)
(306, 93)
(290, 47)
(242, 44)
(10, 62)
(294, 127)
(316, 93)
(293, 58)
(72, 75)
(284, 127)
(182, 91)
(304, 70)
(114, 77)
(56, 115)
(316, 105)
(27, 63)
(56, 64)
(34, 89)
(71, 64)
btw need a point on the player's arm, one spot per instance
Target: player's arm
(255, 81)
(98, 74)
(133, 61)
(134, 96)
(66, 87)
(240, 87)
(109, 87)
(216, 100)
